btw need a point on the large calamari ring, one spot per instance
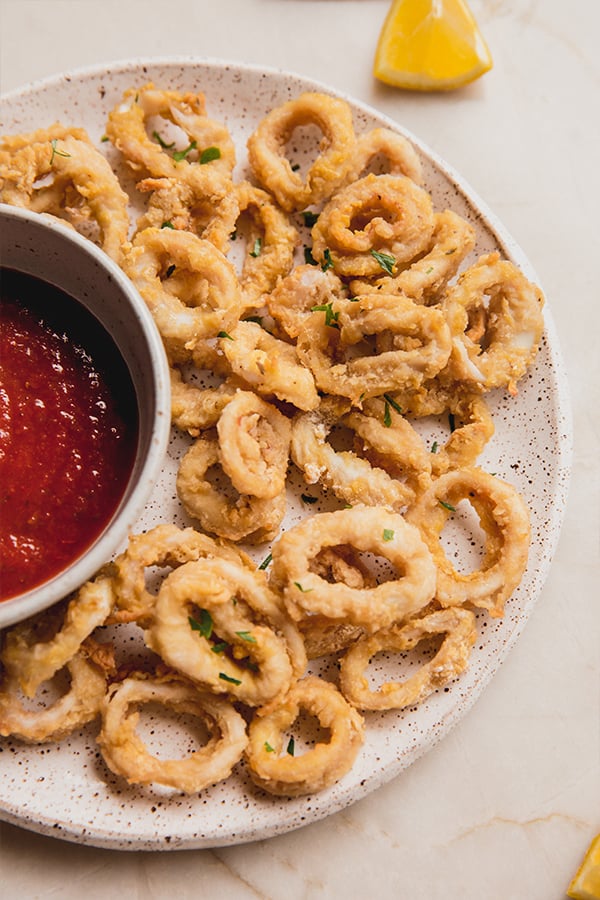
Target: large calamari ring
(495, 316)
(504, 518)
(125, 753)
(195, 408)
(275, 172)
(254, 439)
(75, 708)
(188, 285)
(224, 511)
(369, 530)
(323, 763)
(450, 660)
(270, 366)
(32, 661)
(70, 179)
(221, 625)
(412, 343)
(378, 214)
(184, 143)
(391, 148)
(294, 297)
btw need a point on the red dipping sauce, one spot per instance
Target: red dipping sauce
(68, 431)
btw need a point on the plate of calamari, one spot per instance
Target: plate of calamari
(366, 475)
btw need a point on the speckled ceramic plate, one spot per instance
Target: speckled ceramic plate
(65, 789)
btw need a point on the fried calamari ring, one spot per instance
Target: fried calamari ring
(31, 660)
(70, 179)
(270, 240)
(270, 366)
(395, 150)
(200, 205)
(224, 512)
(369, 530)
(139, 109)
(193, 408)
(426, 279)
(350, 477)
(240, 642)
(267, 150)
(161, 547)
(450, 660)
(125, 753)
(385, 214)
(295, 296)
(418, 346)
(254, 438)
(495, 316)
(504, 518)
(10, 143)
(188, 285)
(323, 763)
(75, 708)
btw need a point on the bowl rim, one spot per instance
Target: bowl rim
(116, 531)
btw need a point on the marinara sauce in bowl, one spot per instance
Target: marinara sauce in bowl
(84, 410)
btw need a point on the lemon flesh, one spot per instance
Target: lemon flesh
(586, 884)
(430, 45)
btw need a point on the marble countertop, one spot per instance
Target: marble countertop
(505, 806)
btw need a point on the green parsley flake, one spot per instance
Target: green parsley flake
(167, 225)
(386, 261)
(300, 588)
(266, 562)
(447, 505)
(162, 143)
(246, 636)
(268, 747)
(328, 263)
(218, 648)
(56, 152)
(331, 317)
(387, 416)
(290, 747)
(257, 319)
(209, 154)
(388, 534)
(203, 625)
(181, 154)
(393, 403)
(225, 677)
(309, 217)
(257, 247)
(223, 334)
(434, 447)
(309, 258)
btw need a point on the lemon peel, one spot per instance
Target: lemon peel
(586, 883)
(430, 45)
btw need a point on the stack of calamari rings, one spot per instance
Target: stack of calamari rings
(317, 362)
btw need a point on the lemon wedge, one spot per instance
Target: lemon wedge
(586, 884)
(430, 45)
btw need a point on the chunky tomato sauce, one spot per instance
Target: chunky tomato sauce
(68, 431)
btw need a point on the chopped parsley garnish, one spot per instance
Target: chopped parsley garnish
(387, 416)
(447, 505)
(309, 258)
(104, 138)
(353, 299)
(393, 403)
(300, 588)
(328, 262)
(218, 648)
(331, 317)
(209, 154)
(388, 534)
(307, 498)
(203, 625)
(56, 152)
(266, 561)
(257, 319)
(309, 217)
(162, 143)
(246, 636)
(268, 747)
(167, 225)
(170, 271)
(181, 154)
(224, 334)
(451, 421)
(225, 677)
(434, 447)
(386, 261)
(290, 747)
(257, 247)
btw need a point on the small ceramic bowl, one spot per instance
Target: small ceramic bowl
(46, 249)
